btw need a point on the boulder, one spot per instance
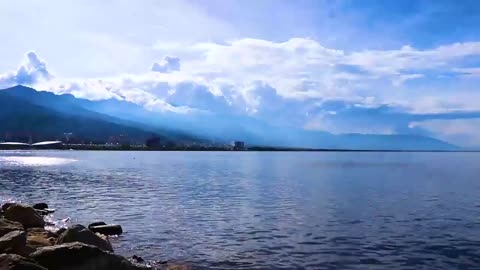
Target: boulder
(41, 232)
(80, 256)
(39, 237)
(40, 206)
(7, 226)
(17, 262)
(60, 231)
(45, 212)
(106, 229)
(13, 242)
(98, 223)
(5, 206)
(26, 215)
(78, 233)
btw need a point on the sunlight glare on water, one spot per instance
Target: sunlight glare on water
(34, 161)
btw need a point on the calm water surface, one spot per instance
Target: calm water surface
(246, 210)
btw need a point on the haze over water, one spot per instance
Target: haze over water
(248, 210)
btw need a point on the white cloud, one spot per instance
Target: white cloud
(399, 80)
(281, 82)
(31, 71)
(169, 64)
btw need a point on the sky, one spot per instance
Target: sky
(370, 67)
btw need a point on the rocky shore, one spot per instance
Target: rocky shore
(25, 244)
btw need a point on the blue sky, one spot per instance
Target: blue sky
(373, 67)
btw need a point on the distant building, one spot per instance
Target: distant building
(121, 139)
(238, 145)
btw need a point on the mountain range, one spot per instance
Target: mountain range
(44, 115)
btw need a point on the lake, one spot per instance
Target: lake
(263, 210)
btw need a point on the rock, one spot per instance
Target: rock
(78, 233)
(106, 229)
(80, 256)
(13, 242)
(40, 206)
(60, 231)
(26, 215)
(138, 259)
(45, 212)
(38, 237)
(17, 262)
(41, 232)
(37, 241)
(5, 206)
(98, 223)
(7, 226)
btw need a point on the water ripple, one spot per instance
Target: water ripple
(265, 210)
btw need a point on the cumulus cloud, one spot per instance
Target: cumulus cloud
(169, 64)
(286, 83)
(31, 71)
(197, 96)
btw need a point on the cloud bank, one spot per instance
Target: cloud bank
(297, 83)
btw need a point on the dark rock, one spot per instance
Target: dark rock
(98, 223)
(107, 229)
(45, 212)
(138, 259)
(60, 231)
(7, 226)
(5, 206)
(13, 242)
(81, 256)
(40, 206)
(78, 233)
(26, 215)
(17, 262)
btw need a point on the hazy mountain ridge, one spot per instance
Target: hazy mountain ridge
(127, 116)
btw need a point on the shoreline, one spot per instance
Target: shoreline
(29, 241)
(97, 147)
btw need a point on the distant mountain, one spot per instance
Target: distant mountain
(27, 116)
(67, 105)
(114, 116)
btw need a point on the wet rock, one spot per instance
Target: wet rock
(45, 212)
(78, 233)
(81, 256)
(5, 206)
(7, 226)
(13, 242)
(98, 223)
(138, 259)
(40, 206)
(107, 229)
(60, 231)
(26, 215)
(17, 262)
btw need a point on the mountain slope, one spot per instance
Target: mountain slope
(113, 111)
(21, 119)
(219, 128)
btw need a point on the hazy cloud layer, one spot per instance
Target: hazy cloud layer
(296, 83)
